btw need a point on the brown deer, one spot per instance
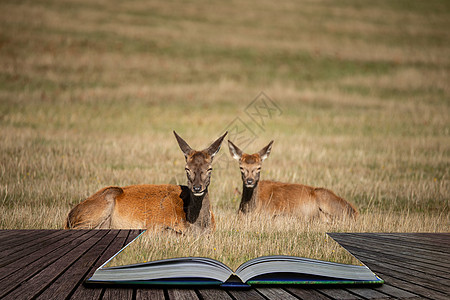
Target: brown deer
(284, 198)
(166, 206)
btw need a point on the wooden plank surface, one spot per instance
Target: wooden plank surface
(216, 294)
(416, 264)
(53, 264)
(15, 253)
(19, 239)
(82, 292)
(411, 265)
(121, 293)
(150, 294)
(39, 282)
(21, 270)
(74, 275)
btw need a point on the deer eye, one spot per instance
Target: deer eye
(189, 173)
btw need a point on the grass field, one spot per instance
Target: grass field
(250, 238)
(359, 102)
(238, 239)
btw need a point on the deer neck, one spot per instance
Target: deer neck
(249, 198)
(198, 211)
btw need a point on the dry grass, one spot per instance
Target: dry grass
(238, 239)
(90, 92)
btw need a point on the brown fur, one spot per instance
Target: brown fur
(137, 206)
(305, 201)
(285, 198)
(174, 207)
(250, 159)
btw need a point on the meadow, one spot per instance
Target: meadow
(356, 95)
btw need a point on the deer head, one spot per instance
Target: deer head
(250, 164)
(199, 164)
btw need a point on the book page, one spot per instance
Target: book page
(237, 240)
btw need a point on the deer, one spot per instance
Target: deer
(164, 207)
(278, 198)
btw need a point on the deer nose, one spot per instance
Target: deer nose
(197, 188)
(249, 181)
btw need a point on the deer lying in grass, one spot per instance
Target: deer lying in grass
(285, 198)
(167, 206)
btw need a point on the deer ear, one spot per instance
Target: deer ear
(215, 147)
(235, 152)
(183, 145)
(264, 152)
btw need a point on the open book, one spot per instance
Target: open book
(273, 269)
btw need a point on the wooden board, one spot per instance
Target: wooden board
(53, 264)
